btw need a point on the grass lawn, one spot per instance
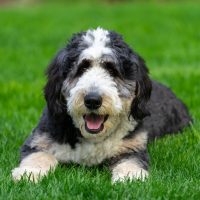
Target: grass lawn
(166, 35)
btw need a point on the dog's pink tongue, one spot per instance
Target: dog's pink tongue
(94, 121)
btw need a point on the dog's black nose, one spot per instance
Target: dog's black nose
(93, 100)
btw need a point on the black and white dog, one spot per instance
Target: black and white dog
(101, 108)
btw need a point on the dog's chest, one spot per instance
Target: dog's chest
(89, 153)
(86, 153)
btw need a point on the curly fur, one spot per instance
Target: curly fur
(138, 109)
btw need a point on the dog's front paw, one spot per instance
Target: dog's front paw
(35, 166)
(125, 175)
(128, 171)
(29, 173)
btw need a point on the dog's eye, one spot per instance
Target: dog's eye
(128, 70)
(111, 68)
(82, 67)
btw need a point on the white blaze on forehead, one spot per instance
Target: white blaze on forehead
(97, 79)
(97, 41)
(96, 37)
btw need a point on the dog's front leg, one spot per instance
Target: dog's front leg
(131, 166)
(35, 166)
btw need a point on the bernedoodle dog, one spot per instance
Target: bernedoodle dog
(102, 107)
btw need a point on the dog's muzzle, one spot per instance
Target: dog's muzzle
(94, 123)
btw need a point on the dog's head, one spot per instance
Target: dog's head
(98, 81)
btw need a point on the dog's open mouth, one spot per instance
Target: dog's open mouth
(94, 123)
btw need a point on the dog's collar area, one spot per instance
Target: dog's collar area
(94, 123)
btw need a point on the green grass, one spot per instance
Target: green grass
(166, 35)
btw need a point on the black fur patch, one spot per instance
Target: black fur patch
(133, 68)
(141, 156)
(60, 128)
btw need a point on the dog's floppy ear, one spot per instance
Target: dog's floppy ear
(55, 76)
(134, 69)
(143, 89)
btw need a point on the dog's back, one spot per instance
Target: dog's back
(167, 113)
